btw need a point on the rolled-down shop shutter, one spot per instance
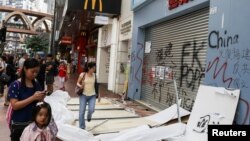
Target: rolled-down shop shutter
(180, 44)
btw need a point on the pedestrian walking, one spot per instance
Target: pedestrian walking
(11, 72)
(62, 74)
(74, 65)
(24, 94)
(50, 73)
(3, 66)
(41, 75)
(22, 60)
(87, 81)
(69, 68)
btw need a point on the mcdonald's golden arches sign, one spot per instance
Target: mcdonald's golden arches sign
(103, 6)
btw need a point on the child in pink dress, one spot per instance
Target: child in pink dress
(39, 129)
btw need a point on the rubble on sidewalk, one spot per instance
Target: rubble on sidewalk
(69, 131)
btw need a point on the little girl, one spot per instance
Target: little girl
(39, 129)
(62, 74)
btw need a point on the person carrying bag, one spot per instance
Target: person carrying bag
(87, 89)
(79, 88)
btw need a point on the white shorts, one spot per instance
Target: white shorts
(61, 79)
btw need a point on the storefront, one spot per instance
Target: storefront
(113, 55)
(80, 52)
(81, 23)
(91, 48)
(173, 36)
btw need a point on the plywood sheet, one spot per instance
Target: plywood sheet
(213, 105)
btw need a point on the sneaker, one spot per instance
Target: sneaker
(89, 119)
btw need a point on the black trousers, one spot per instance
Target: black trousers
(1, 87)
(17, 130)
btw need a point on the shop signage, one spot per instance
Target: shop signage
(176, 3)
(66, 40)
(126, 27)
(105, 6)
(83, 33)
(102, 20)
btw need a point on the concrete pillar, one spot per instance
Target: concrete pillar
(113, 54)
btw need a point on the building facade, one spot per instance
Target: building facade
(113, 55)
(180, 36)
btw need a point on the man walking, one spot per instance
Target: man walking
(50, 73)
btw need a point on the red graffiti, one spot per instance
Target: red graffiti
(141, 61)
(147, 76)
(151, 77)
(144, 74)
(175, 3)
(218, 71)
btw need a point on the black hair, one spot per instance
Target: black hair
(28, 64)
(49, 55)
(90, 66)
(24, 54)
(38, 108)
(4, 58)
(10, 60)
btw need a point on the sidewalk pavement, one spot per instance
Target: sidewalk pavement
(70, 88)
(104, 93)
(4, 129)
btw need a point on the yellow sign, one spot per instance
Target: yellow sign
(83, 33)
(93, 5)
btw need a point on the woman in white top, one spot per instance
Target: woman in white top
(87, 81)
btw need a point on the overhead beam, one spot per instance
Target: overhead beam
(26, 12)
(23, 31)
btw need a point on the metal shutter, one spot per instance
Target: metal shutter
(179, 43)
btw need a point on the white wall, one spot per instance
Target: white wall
(103, 73)
(118, 49)
(106, 35)
(113, 55)
(103, 55)
(123, 45)
(126, 16)
(126, 9)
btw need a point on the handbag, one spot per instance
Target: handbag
(9, 115)
(4, 78)
(96, 87)
(10, 109)
(18, 126)
(79, 90)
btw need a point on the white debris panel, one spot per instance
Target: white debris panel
(64, 118)
(67, 132)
